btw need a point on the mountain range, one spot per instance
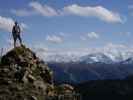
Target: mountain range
(97, 57)
(94, 66)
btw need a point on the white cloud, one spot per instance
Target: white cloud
(10, 41)
(97, 11)
(125, 33)
(83, 38)
(130, 7)
(62, 34)
(85, 11)
(6, 24)
(93, 35)
(23, 26)
(54, 39)
(55, 54)
(43, 9)
(131, 13)
(40, 47)
(23, 12)
(111, 46)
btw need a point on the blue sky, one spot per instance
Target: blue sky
(68, 24)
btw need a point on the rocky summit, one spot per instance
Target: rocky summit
(23, 76)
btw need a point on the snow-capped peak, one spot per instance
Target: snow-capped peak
(103, 57)
(96, 57)
(110, 54)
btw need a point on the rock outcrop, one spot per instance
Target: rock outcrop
(23, 76)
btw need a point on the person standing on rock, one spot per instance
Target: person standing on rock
(16, 33)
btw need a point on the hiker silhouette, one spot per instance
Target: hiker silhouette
(16, 33)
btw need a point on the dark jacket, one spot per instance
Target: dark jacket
(16, 30)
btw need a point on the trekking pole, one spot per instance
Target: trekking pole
(1, 52)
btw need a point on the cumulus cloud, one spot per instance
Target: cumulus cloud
(10, 41)
(23, 26)
(83, 38)
(23, 12)
(93, 35)
(130, 7)
(62, 34)
(111, 45)
(43, 9)
(6, 24)
(97, 11)
(110, 49)
(85, 11)
(54, 39)
(90, 35)
(40, 47)
(125, 33)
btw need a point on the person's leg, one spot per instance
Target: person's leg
(15, 38)
(20, 40)
(15, 42)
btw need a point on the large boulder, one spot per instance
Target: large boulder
(64, 89)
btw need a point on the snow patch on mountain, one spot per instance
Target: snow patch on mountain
(108, 54)
(96, 57)
(101, 57)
